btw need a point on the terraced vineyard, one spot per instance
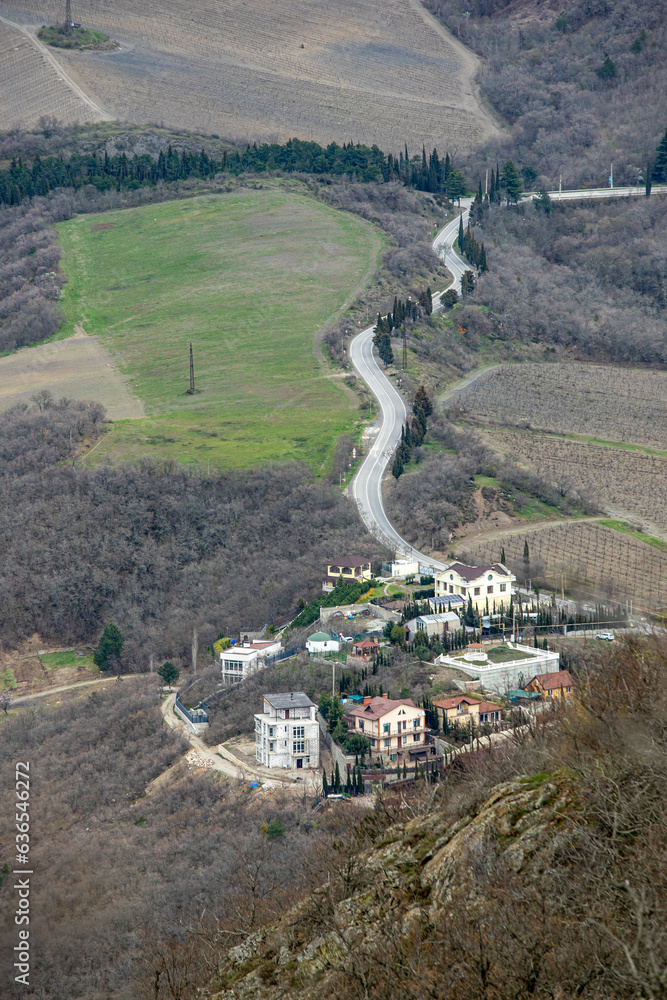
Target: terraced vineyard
(30, 86)
(633, 483)
(611, 404)
(385, 73)
(592, 559)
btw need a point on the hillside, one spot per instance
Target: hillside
(384, 73)
(534, 873)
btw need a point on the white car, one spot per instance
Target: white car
(608, 636)
(346, 638)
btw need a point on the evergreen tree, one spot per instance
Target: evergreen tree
(511, 180)
(337, 779)
(607, 70)
(659, 173)
(169, 673)
(325, 785)
(542, 202)
(483, 266)
(461, 235)
(502, 555)
(648, 180)
(398, 466)
(109, 647)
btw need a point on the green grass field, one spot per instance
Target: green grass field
(56, 661)
(248, 277)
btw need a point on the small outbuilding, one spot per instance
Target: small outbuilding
(322, 642)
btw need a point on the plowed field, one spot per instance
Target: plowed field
(352, 69)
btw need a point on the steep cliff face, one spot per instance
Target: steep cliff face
(394, 920)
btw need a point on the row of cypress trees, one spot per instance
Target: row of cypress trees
(413, 432)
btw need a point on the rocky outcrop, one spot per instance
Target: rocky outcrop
(409, 883)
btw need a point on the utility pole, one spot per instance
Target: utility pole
(195, 650)
(192, 373)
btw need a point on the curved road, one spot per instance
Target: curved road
(366, 486)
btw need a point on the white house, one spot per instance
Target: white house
(245, 658)
(322, 642)
(484, 585)
(402, 568)
(287, 733)
(433, 625)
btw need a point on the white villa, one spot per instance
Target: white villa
(322, 642)
(287, 733)
(244, 658)
(502, 677)
(482, 584)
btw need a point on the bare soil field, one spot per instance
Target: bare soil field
(596, 561)
(354, 69)
(78, 368)
(622, 481)
(611, 404)
(30, 86)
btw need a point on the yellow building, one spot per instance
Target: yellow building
(465, 710)
(353, 569)
(395, 729)
(557, 685)
(482, 584)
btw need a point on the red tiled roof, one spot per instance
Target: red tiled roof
(366, 644)
(470, 573)
(377, 707)
(486, 706)
(549, 682)
(455, 701)
(352, 561)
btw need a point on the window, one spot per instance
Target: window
(451, 576)
(271, 746)
(490, 576)
(503, 588)
(463, 591)
(415, 738)
(476, 591)
(387, 743)
(385, 727)
(489, 590)
(415, 723)
(298, 746)
(372, 742)
(272, 730)
(451, 589)
(392, 756)
(298, 732)
(361, 723)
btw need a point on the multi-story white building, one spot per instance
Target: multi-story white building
(245, 658)
(484, 585)
(287, 733)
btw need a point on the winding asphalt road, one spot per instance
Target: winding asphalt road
(366, 487)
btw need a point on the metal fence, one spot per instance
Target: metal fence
(284, 654)
(197, 716)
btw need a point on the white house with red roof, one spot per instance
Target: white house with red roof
(484, 585)
(395, 728)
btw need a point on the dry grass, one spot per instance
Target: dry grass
(631, 483)
(595, 561)
(77, 368)
(611, 404)
(30, 86)
(371, 72)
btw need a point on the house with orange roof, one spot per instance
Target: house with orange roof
(556, 685)
(465, 710)
(395, 728)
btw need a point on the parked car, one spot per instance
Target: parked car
(608, 636)
(347, 638)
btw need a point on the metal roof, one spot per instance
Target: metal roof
(289, 699)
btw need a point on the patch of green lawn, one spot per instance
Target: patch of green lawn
(248, 278)
(628, 529)
(57, 661)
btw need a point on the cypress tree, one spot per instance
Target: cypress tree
(461, 236)
(659, 173)
(337, 779)
(502, 555)
(325, 786)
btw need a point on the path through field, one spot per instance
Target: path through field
(34, 83)
(356, 70)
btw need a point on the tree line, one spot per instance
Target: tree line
(413, 432)
(121, 172)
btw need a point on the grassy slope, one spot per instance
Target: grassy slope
(248, 277)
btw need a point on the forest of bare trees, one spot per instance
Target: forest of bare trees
(153, 549)
(541, 72)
